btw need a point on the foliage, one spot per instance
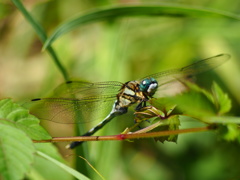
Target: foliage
(121, 42)
(18, 153)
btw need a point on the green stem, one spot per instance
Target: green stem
(42, 36)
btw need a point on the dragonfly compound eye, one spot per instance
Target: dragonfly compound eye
(149, 86)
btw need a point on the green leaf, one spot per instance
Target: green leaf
(229, 132)
(23, 120)
(140, 10)
(195, 104)
(164, 104)
(16, 152)
(222, 100)
(147, 113)
(196, 88)
(172, 123)
(227, 126)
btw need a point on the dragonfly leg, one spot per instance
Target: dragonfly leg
(141, 105)
(92, 131)
(115, 112)
(89, 133)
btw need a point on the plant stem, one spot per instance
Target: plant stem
(135, 135)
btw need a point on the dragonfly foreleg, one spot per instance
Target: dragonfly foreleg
(141, 105)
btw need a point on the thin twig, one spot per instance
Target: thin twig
(125, 136)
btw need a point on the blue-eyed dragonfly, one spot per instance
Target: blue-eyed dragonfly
(80, 97)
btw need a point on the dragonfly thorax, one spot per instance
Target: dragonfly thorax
(148, 86)
(129, 94)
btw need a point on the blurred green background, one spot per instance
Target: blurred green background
(123, 50)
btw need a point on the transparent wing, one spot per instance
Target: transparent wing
(169, 80)
(83, 90)
(77, 102)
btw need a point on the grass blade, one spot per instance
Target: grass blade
(42, 35)
(140, 10)
(63, 166)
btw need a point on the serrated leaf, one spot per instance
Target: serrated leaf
(173, 123)
(164, 104)
(222, 100)
(16, 152)
(194, 87)
(229, 132)
(23, 120)
(195, 104)
(147, 113)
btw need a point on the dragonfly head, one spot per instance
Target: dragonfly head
(149, 86)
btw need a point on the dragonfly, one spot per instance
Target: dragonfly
(84, 97)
